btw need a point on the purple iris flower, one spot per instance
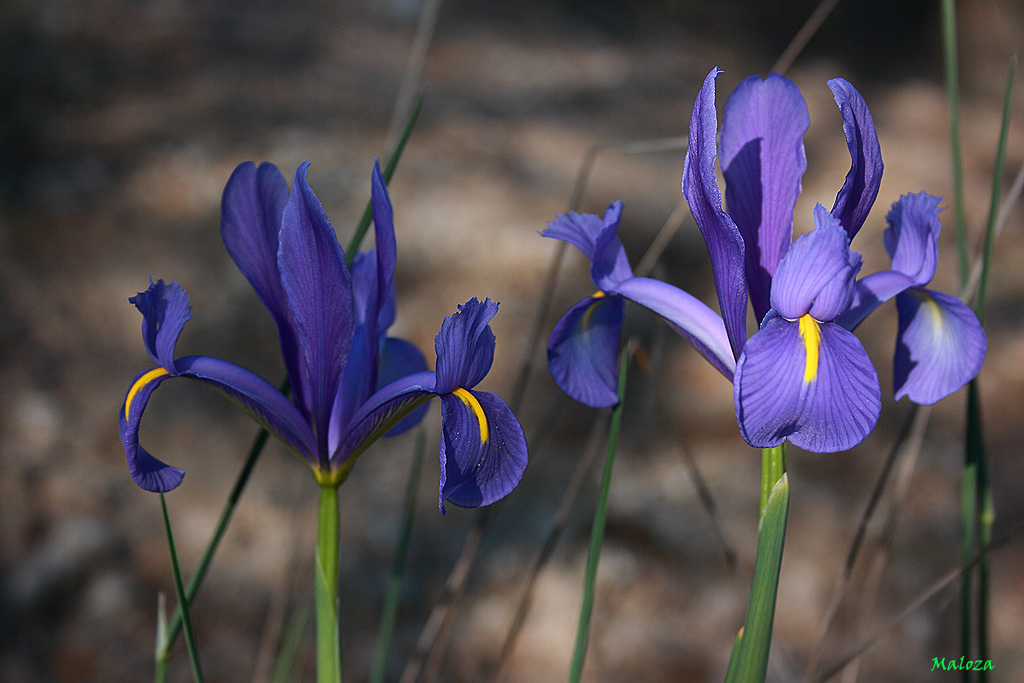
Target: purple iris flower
(351, 383)
(803, 377)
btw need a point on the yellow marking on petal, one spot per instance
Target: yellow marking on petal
(474, 405)
(585, 323)
(153, 374)
(811, 334)
(933, 308)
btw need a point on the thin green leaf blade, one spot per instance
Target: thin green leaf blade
(752, 655)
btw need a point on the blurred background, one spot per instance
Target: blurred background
(120, 122)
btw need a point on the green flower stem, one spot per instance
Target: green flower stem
(390, 610)
(328, 640)
(190, 641)
(597, 531)
(749, 661)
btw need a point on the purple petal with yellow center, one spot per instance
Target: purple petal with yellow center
(806, 382)
(762, 157)
(319, 292)
(483, 449)
(818, 273)
(940, 346)
(582, 350)
(854, 200)
(722, 237)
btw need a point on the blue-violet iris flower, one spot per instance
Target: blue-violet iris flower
(803, 377)
(351, 383)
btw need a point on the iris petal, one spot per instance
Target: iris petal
(582, 351)
(940, 346)
(817, 274)
(831, 410)
(165, 310)
(483, 449)
(319, 291)
(578, 229)
(257, 397)
(382, 411)
(912, 236)
(610, 264)
(398, 359)
(148, 472)
(465, 346)
(722, 237)
(762, 158)
(854, 200)
(688, 315)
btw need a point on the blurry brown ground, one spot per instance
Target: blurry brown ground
(121, 123)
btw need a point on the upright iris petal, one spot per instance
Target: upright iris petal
(762, 157)
(858, 192)
(721, 235)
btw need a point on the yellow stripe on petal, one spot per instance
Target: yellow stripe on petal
(585, 322)
(811, 334)
(474, 405)
(153, 374)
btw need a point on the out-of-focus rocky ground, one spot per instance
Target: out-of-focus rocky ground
(121, 121)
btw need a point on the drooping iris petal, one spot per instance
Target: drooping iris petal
(722, 237)
(254, 395)
(762, 157)
(257, 397)
(465, 346)
(582, 351)
(861, 186)
(807, 382)
(689, 316)
(939, 348)
(319, 292)
(165, 310)
(912, 236)
(399, 358)
(483, 449)
(148, 472)
(818, 273)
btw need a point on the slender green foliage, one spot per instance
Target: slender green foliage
(749, 661)
(597, 530)
(997, 190)
(287, 653)
(394, 591)
(953, 97)
(190, 641)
